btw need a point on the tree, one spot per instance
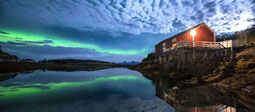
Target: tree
(43, 61)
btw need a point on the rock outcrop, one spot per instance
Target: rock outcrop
(5, 57)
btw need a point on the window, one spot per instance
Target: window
(174, 40)
(163, 47)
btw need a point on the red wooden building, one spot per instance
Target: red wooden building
(200, 35)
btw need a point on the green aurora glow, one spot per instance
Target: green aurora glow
(20, 37)
(28, 90)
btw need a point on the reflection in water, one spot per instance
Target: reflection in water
(197, 99)
(32, 89)
(111, 90)
(7, 76)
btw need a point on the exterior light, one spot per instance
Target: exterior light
(193, 33)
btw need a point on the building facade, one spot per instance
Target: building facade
(200, 35)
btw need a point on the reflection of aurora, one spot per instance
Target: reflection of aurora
(33, 89)
(40, 40)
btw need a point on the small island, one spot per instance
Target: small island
(11, 65)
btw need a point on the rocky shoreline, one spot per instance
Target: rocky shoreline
(234, 78)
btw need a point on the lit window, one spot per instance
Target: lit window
(174, 40)
(164, 44)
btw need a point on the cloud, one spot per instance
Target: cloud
(135, 17)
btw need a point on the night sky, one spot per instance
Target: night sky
(109, 30)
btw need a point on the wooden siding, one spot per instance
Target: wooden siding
(204, 34)
(158, 50)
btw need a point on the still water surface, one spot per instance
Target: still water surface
(110, 90)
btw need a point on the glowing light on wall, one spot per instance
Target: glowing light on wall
(193, 33)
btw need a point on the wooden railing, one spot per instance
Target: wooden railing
(232, 43)
(190, 43)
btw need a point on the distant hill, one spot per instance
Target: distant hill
(7, 57)
(74, 61)
(129, 63)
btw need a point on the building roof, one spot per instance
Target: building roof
(188, 30)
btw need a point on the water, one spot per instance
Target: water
(110, 90)
(202, 98)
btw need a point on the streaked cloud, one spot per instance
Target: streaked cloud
(131, 16)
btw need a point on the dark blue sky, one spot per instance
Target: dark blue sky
(109, 30)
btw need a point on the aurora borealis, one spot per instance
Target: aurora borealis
(26, 41)
(40, 40)
(109, 30)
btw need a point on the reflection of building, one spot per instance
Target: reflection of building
(213, 108)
